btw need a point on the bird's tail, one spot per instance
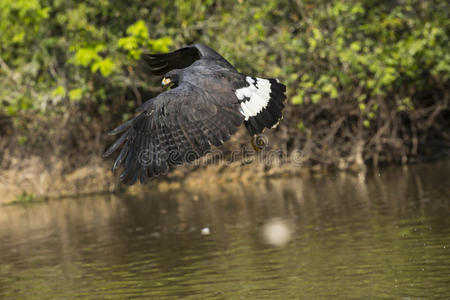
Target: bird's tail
(261, 102)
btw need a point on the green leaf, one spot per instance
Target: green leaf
(85, 56)
(59, 91)
(138, 29)
(76, 94)
(315, 98)
(106, 66)
(362, 107)
(298, 99)
(355, 46)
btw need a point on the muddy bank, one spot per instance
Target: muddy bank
(33, 180)
(36, 178)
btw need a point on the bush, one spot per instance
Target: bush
(368, 73)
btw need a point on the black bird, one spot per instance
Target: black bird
(207, 102)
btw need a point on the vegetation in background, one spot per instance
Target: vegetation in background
(26, 199)
(367, 80)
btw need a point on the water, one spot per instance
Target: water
(383, 235)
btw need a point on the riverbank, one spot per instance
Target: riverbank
(64, 158)
(37, 179)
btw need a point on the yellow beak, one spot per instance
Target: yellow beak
(165, 82)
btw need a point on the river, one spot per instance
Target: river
(385, 234)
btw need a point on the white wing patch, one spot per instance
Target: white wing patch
(254, 97)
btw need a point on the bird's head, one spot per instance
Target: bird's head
(170, 79)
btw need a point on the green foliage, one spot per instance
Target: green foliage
(138, 38)
(56, 54)
(55, 51)
(15, 33)
(359, 50)
(76, 94)
(25, 199)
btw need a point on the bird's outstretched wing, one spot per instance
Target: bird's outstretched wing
(162, 63)
(175, 127)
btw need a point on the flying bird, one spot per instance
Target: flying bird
(206, 102)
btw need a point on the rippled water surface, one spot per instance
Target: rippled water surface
(383, 235)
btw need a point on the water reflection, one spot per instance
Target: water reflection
(384, 234)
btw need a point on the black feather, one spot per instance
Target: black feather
(179, 59)
(122, 127)
(116, 144)
(120, 158)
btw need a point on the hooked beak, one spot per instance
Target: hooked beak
(165, 82)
